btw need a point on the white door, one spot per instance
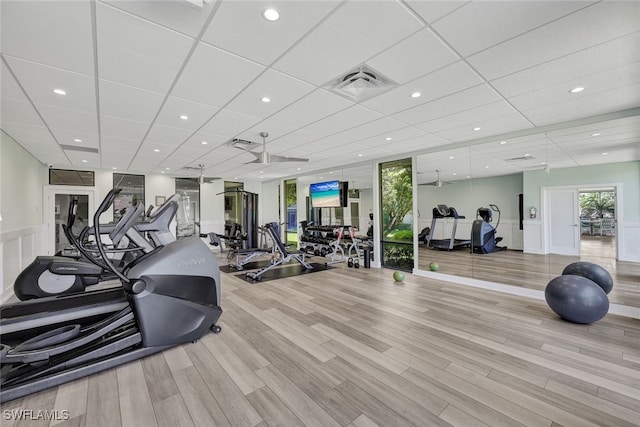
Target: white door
(56, 204)
(564, 222)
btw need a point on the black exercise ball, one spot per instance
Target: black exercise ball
(576, 299)
(591, 271)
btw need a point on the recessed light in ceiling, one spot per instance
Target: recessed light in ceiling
(416, 95)
(543, 163)
(271, 14)
(360, 155)
(59, 92)
(527, 155)
(604, 154)
(595, 134)
(261, 171)
(161, 171)
(114, 168)
(299, 168)
(156, 150)
(168, 168)
(388, 138)
(486, 167)
(503, 142)
(451, 157)
(265, 99)
(204, 142)
(454, 174)
(183, 117)
(84, 161)
(576, 89)
(477, 128)
(77, 140)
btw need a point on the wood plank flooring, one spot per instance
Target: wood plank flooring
(534, 271)
(350, 347)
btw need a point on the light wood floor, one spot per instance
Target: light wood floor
(349, 347)
(535, 271)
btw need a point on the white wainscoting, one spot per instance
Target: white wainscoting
(533, 242)
(18, 248)
(628, 234)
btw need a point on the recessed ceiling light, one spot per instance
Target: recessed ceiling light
(59, 92)
(543, 163)
(330, 172)
(168, 169)
(77, 140)
(477, 128)
(416, 95)
(503, 142)
(84, 161)
(161, 171)
(595, 134)
(527, 155)
(486, 167)
(322, 177)
(204, 142)
(271, 14)
(265, 99)
(299, 168)
(454, 174)
(114, 168)
(388, 138)
(156, 150)
(451, 157)
(360, 155)
(261, 171)
(183, 117)
(604, 154)
(577, 89)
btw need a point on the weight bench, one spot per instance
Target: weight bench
(281, 254)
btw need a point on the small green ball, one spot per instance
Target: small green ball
(398, 276)
(434, 266)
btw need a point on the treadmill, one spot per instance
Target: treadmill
(441, 212)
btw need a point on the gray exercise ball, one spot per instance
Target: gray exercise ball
(591, 271)
(576, 299)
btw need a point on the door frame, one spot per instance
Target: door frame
(617, 187)
(49, 193)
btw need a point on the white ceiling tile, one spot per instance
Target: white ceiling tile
(473, 117)
(352, 34)
(111, 144)
(177, 15)
(482, 24)
(604, 81)
(212, 141)
(433, 10)
(140, 105)
(593, 25)
(230, 123)
(382, 126)
(281, 89)
(315, 106)
(213, 76)
(9, 86)
(136, 52)
(490, 126)
(39, 81)
(443, 82)
(197, 114)
(348, 118)
(121, 128)
(29, 32)
(76, 138)
(606, 56)
(17, 111)
(415, 56)
(460, 101)
(237, 26)
(60, 118)
(585, 106)
(273, 128)
(165, 135)
(26, 134)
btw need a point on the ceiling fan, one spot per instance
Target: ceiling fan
(438, 182)
(263, 157)
(202, 179)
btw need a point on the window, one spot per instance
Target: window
(132, 193)
(188, 216)
(71, 177)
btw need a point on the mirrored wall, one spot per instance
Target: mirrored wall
(518, 219)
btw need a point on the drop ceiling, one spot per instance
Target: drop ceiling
(130, 69)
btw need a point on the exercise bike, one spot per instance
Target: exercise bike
(483, 234)
(170, 297)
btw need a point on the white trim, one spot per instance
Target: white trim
(615, 309)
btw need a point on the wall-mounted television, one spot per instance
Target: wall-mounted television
(325, 194)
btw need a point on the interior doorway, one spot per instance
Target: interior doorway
(598, 220)
(56, 207)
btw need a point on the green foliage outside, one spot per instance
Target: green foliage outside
(598, 204)
(397, 202)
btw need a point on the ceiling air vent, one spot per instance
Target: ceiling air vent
(78, 148)
(360, 84)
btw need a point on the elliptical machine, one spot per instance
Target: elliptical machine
(483, 234)
(170, 297)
